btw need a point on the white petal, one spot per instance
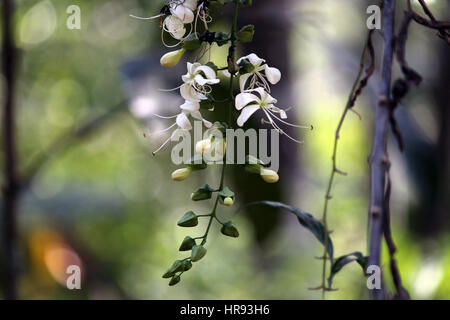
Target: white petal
(266, 98)
(183, 13)
(175, 27)
(243, 80)
(243, 99)
(190, 4)
(190, 106)
(281, 112)
(188, 93)
(202, 81)
(246, 113)
(208, 71)
(197, 115)
(183, 122)
(255, 60)
(272, 74)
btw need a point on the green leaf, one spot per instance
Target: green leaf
(343, 261)
(221, 38)
(197, 253)
(306, 220)
(246, 33)
(187, 244)
(188, 220)
(229, 230)
(192, 42)
(202, 193)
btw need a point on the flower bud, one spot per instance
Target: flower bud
(188, 220)
(181, 174)
(229, 230)
(202, 146)
(175, 279)
(197, 253)
(187, 244)
(177, 266)
(228, 201)
(269, 176)
(203, 193)
(172, 58)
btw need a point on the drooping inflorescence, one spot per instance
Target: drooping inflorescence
(187, 22)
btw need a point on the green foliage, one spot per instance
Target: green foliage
(246, 33)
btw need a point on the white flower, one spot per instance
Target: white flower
(249, 103)
(197, 82)
(174, 26)
(183, 10)
(188, 109)
(255, 77)
(193, 109)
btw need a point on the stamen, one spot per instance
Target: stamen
(162, 146)
(163, 130)
(164, 117)
(287, 123)
(169, 90)
(147, 18)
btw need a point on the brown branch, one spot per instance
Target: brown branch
(433, 23)
(402, 294)
(379, 156)
(11, 188)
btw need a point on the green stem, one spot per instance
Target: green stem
(231, 58)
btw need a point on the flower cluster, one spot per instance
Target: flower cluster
(255, 78)
(196, 85)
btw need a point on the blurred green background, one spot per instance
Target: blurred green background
(108, 204)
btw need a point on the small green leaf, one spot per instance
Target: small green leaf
(343, 261)
(192, 42)
(203, 193)
(246, 33)
(221, 38)
(187, 244)
(188, 220)
(175, 279)
(197, 253)
(229, 230)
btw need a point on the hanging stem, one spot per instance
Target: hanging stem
(231, 60)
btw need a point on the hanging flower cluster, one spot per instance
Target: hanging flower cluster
(255, 78)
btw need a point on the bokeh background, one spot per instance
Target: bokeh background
(103, 201)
